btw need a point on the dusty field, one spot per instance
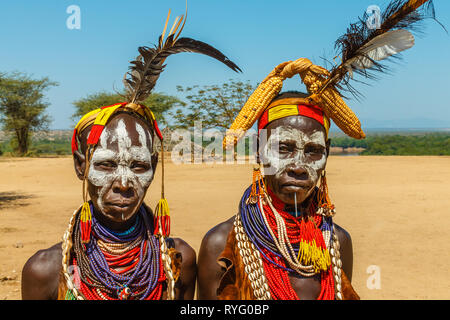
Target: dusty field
(395, 208)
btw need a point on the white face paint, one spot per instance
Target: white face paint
(123, 159)
(276, 162)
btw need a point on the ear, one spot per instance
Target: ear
(79, 163)
(261, 142)
(328, 147)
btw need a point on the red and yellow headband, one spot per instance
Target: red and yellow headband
(98, 118)
(287, 107)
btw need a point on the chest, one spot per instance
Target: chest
(306, 288)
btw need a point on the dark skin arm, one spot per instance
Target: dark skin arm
(210, 272)
(40, 275)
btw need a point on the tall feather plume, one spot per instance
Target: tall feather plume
(362, 49)
(147, 67)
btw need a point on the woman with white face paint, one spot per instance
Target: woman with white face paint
(292, 248)
(122, 257)
(283, 243)
(115, 246)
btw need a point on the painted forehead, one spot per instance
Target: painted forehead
(300, 129)
(123, 126)
(306, 125)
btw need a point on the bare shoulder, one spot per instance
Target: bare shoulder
(346, 250)
(40, 274)
(216, 238)
(44, 263)
(209, 271)
(343, 235)
(187, 252)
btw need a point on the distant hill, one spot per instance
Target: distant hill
(50, 135)
(382, 141)
(336, 133)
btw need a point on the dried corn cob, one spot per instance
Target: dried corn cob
(342, 115)
(253, 109)
(332, 103)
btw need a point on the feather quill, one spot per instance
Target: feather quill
(145, 70)
(380, 48)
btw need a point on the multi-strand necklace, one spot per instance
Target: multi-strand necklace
(119, 265)
(287, 244)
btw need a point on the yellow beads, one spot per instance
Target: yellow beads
(310, 254)
(85, 215)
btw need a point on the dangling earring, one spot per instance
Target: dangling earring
(258, 186)
(162, 212)
(324, 205)
(86, 215)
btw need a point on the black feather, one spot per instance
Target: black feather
(191, 45)
(399, 14)
(146, 69)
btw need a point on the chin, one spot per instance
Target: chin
(288, 196)
(119, 214)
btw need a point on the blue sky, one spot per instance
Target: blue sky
(257, 35)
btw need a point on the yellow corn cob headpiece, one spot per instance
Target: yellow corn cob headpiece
(314, 77)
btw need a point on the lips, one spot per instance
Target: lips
(295, 186)
(122, 204)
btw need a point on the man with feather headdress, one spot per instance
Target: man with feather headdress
(283, 243)
(116, 247)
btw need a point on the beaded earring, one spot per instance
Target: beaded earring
(162, 212)
(258, 186)
(324, 205)
(86, 214)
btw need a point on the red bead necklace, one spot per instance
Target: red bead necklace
(298, 230)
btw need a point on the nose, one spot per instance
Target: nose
(125, 189)
(298, 172)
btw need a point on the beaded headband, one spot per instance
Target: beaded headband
(99, 118)
(293, 107)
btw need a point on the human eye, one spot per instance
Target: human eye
(314, 149)
(283, 148)
(286, 147)
(106, 164)
(139, 166)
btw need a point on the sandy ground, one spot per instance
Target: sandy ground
(395, 209)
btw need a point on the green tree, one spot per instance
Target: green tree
(22, 106)
(159, 103)
(216, 106)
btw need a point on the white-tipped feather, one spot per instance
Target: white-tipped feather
(380, 48)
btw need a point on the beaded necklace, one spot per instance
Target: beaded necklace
(119, 265)
(286, 244)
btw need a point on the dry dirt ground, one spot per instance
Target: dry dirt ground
(395, 209)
